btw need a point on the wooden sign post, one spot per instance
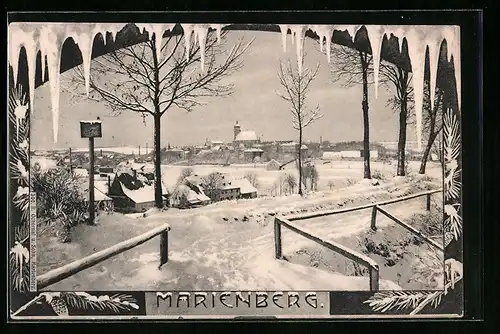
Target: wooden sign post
(91, 130)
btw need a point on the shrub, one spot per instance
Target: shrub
(59, 199)
(330, 184)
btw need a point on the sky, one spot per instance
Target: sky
(254, 104)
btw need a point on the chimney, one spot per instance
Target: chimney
(134, 172)
(109, 183)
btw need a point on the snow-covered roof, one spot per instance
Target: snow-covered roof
(245, 186)
(191, 195)
(253, 149)
(289, 144)
(304, 147)
(274, 162)
(216, 148)
(80, 172)
(100, 189)
(246, 136)
(217, 142)
(140, 195)
(91, 122)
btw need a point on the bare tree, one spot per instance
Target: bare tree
(252, 178)
(296, 85)
(291, 181)
(352, 67)
(141, 80)
(185, 173)
(398, 81)
(331, 184)
(212, 185)
(432, 123)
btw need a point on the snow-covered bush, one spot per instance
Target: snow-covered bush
(59, 199)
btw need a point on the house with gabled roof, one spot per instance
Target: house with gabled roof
(133, 192)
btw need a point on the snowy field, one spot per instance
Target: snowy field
(118, 149)
(216, 248)
(341, 173)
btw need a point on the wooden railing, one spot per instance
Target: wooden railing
(342, 250)
(336, 247)
(72, 268)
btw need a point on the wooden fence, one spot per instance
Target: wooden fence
(345, 251)
(72, 268)
(336, 247)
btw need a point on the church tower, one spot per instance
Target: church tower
(237, 130)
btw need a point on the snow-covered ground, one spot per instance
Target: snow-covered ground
(119, 149)
(211, 250)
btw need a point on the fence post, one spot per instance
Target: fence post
(428, 206)
(374, 279)
(277, 238)
(374, 218)
(163, 248)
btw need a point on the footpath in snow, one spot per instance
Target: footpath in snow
(216, 248)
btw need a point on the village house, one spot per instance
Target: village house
(132, 193)
(273, 165)
(227, 189)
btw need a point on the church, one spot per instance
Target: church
(244, 139)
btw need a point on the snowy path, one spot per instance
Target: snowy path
(208, 253)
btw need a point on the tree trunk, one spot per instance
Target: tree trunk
(157, 134)
(403, 115)
(427, 151)
(300, 161)
(366, 121)
(157, 161)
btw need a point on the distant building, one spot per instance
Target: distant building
(247, 138)
(251, 153)
(273, 165)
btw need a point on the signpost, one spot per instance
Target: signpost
(91, 130)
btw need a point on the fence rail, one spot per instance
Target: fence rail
(366, 206)
(408, 227)
(342, 250)
(359, 258)
(72, 268)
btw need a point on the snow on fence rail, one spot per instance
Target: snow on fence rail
(336, 247)
(403, 224)
(74, 267)
(347, 252)
(318, 214)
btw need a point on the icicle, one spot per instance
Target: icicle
(433, 41)
(43, 59)
(188, 30)
(50, 38)
(201, 31)
(16, 36)
(416, 51)
(298, 32)
(284, 33)
(31, 47)
(85, 43)
(324, 32)
(376, 36)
